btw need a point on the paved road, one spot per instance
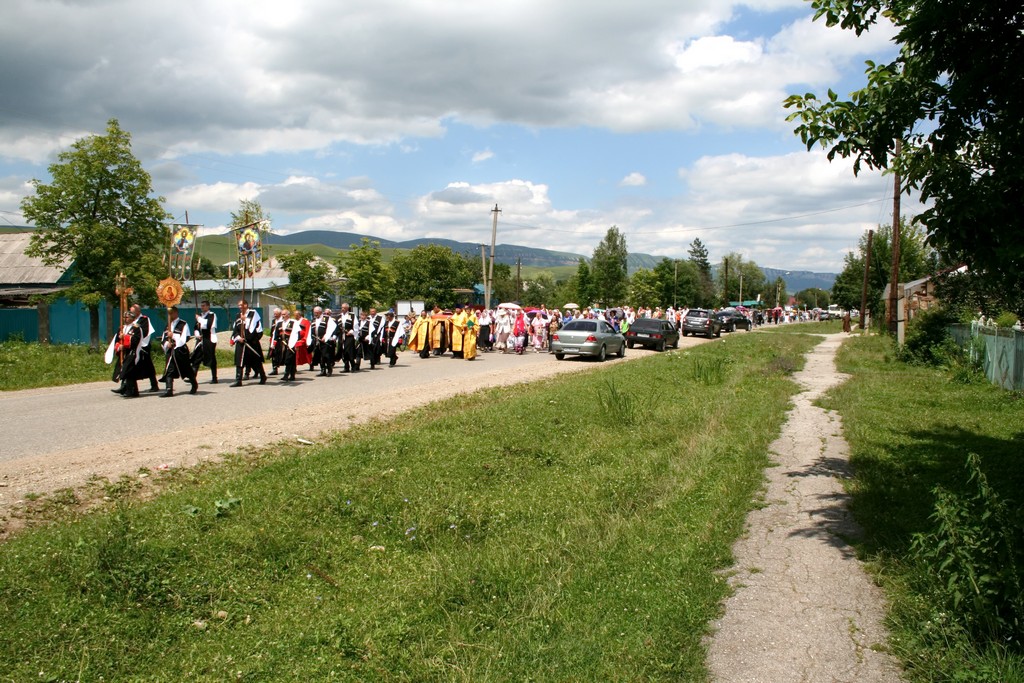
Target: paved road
(60, 437)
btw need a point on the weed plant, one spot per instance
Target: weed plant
(942, 528)
(516, 534)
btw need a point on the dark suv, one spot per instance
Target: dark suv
(700, 321)
(652, 333)
(733, 320)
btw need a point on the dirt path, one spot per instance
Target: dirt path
(803, 608)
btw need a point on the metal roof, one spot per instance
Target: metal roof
(18, 269)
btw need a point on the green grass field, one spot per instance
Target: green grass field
(910, 430)
(28, 365)
(568, 530)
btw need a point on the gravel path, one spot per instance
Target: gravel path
(803, 608)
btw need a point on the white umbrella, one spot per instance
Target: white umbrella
(510, 306)
(571, 306)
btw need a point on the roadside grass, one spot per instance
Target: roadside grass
(29, 365)
(519, 533)
(911, 429)
(825, 327)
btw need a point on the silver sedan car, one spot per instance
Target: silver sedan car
(587, 338)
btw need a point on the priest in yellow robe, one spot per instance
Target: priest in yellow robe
(419, 336)
(469, 338)
(458, 328)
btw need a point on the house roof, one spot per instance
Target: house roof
(18, 269)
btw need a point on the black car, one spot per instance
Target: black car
(732, 320)
(653, 333)
(700, 321)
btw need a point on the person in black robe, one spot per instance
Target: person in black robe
(205, 352)
(144, 368)
(289, 357)
(246, 334)
(348, 328)
(275, 337)
(174, 342)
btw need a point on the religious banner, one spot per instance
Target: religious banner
(250, 248)
(183, 242)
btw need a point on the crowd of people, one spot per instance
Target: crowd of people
(326, 339)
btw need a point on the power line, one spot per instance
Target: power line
(713, 227)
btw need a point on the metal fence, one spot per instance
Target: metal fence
(1003, 350)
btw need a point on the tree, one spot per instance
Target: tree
(754, 281)
(813, 297)
(250, 211)
(645, 289)
(952, 96)
(585, 295)
(540, 290)
(916, 261)
(608, 268)
(504, 286)
(98, 213)
(431, 272)
(369, 281)
(308, 277)
(698, 254)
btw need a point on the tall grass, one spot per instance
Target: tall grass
(515, 534)
(937, 489)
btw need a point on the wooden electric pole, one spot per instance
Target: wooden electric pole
(483, 273)
(489, 280)
(864, 287)
(726, 294)
(519, 280)
(895, 276)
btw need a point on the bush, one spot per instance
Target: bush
(972, 562)
(927, 341)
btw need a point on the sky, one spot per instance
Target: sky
(413, 118)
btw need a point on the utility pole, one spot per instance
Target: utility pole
(864, 287)
(490, 275)
(895, 276)
(519, 281)
(675, 283)
(726, 296)
(741, 288)
(483, 272)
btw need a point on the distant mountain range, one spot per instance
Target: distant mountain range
(796, 280)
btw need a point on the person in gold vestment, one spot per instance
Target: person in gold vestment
(469, 338)
(419, 336)
(458, 323)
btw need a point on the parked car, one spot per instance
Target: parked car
(700, 321)
(587, 338)
(652, 333)
(733, 319)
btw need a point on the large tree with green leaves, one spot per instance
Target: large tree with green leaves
(645, 289)
(698, 256)
(585, 295)
(608, 268)
(680, 281)
(917, 260)
(432, 272)
(368, 280)
(753, 282)
(97, 212)
(309, 277)
(953, 97)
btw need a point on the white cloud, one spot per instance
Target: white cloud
(634, 179)
(483, 155)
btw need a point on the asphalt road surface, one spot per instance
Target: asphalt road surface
(59, 437)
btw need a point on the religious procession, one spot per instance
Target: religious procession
(290, 342)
